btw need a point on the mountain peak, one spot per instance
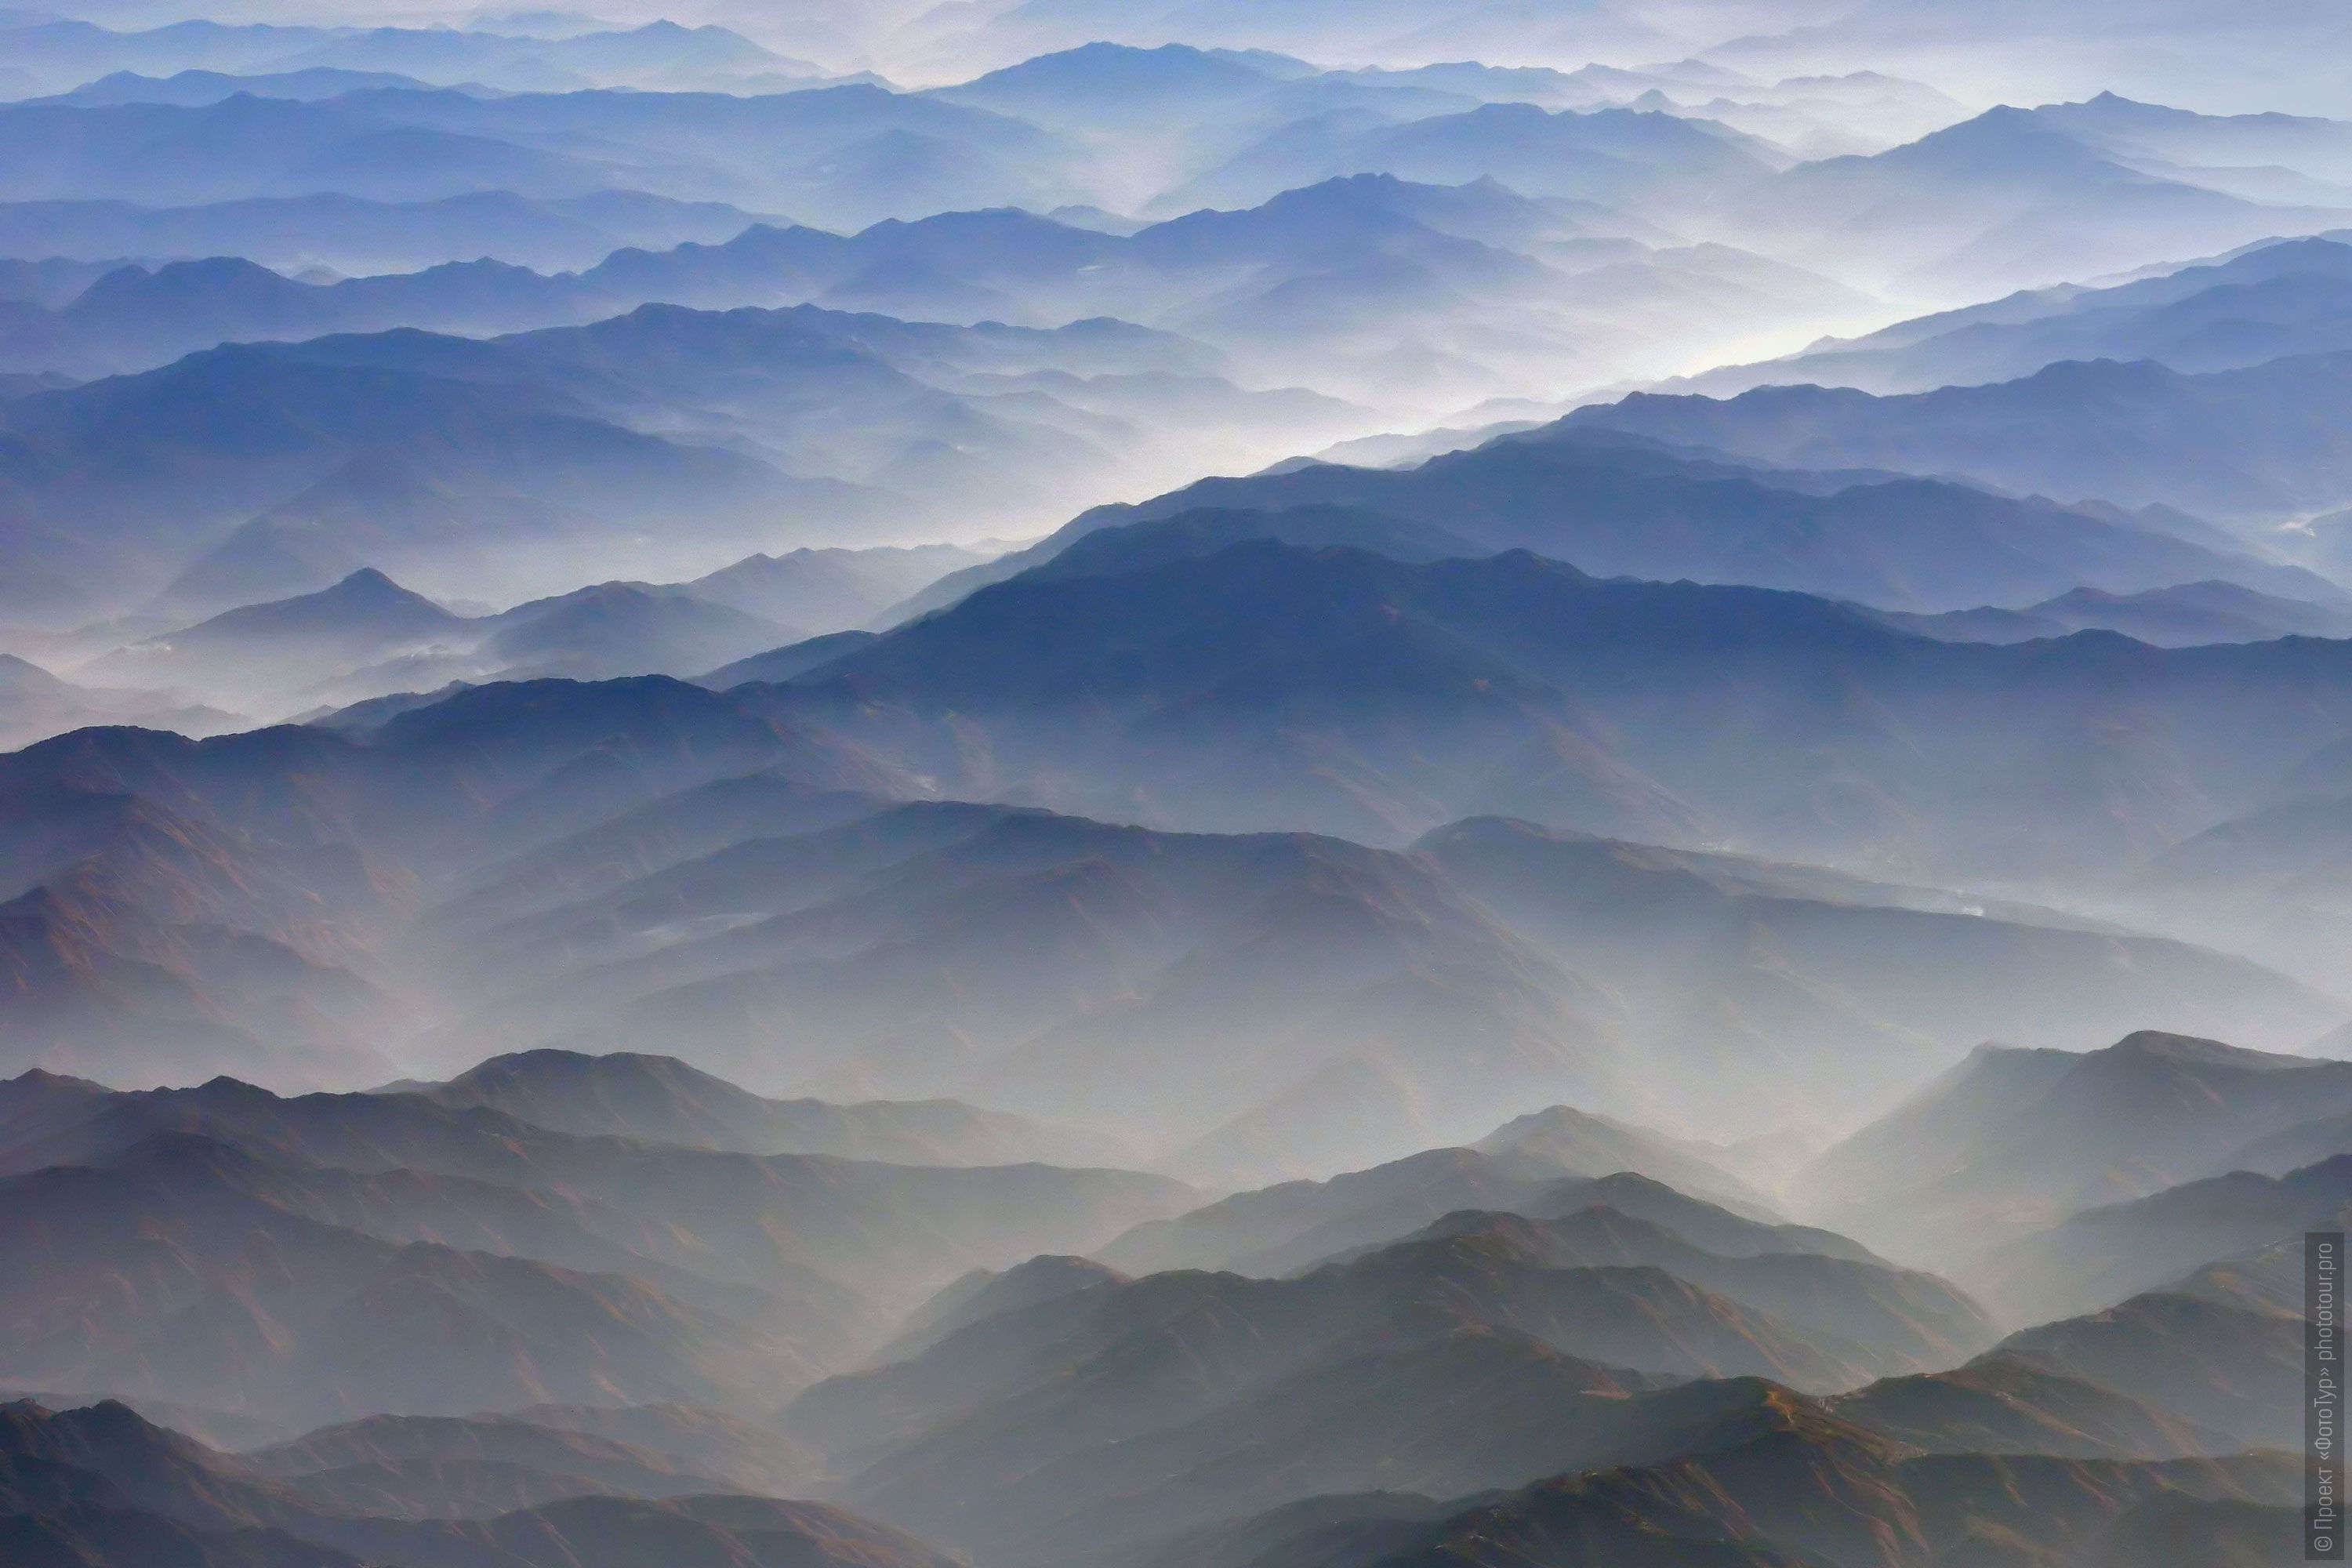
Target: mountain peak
(2187, 1050)
(364, 606)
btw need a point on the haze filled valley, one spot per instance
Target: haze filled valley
(1052, 784)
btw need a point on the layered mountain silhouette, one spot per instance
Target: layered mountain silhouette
(2018, 198)
(356, 237)
(659, 1100)
(298, 472)
(100, 1485)
(1475, 288)
(2265, 438)
(2189, 615)
(845, 154)
(673, 892)
(661, 55)
(1154, 1392)
(2216, 1228)
(455, 467)
(2271, 301)
(2265, 877)
(1805, 1488)
(1484, 653)
(1600, 492)
(2011, 1138)
(789, 928)
(34, 704)
(823, 959)
(439, 1259)
(1279, 1229)
(367, 636)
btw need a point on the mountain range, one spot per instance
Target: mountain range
(471, 1260)
(2025, 198)
(353, 236)
(595, 864)
(1152, 1395)
(1601, 490)
(2188, 615)
(2119, 432)
(1172, 784)
(2271, 301)
(663, 55)
(456, 465)
(1485, 653)
(98, 1485)
(2012, 1143)
(1464, 275)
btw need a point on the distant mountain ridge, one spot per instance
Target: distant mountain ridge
(423, 455)
(1462, 648)
(1603, 489)
(2269, 302)
(2122, 432)
(2012, 1137)
(356, 237)
(570, 1269)
(100, 1486)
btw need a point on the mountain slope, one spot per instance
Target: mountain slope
(2011, 1138)
(2274, 301)
(2251, 443)
(660, 1100)
(1151, 1402)
(1596, 491)
(1473, 659)
(112, 1489)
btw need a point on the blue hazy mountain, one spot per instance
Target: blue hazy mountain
(1204, 105)
(828, 591)
(2182, 616)
(1314, 969)
(555, 1256)
(1477, 288)
(2264, 442)
(297, 471)
(246, 147)
(1655, 166)
(194, 89)
(2021, 1139)
(1357, 651)
(1139, 924)
(366, 636)
(48, 283)
(848, 156)
(2263, 874)
(2014, 198)
(35, 703)
(1581, 492)
(1157, 783)
(353, 236)
(662, 54)
(2292, 297)
(623, 628)
(397, 450)
(2268, 156)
